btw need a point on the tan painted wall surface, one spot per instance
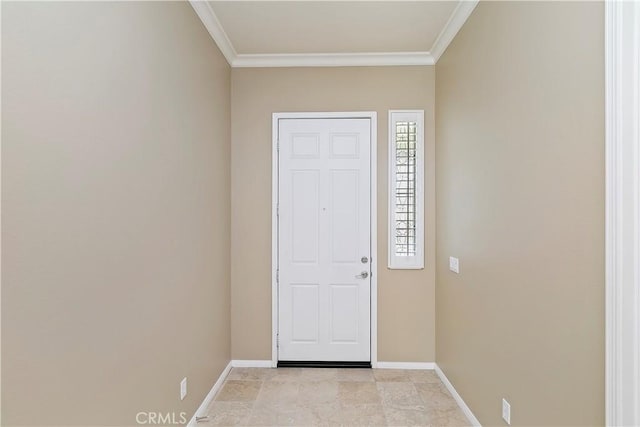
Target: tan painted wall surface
(406, 298)
(115, 206)
(520, 201)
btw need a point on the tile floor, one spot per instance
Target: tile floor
(333, 397)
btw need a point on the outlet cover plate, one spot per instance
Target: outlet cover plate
(183, 388)
(506, 411)
(454, 264)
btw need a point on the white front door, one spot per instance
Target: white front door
(324, 240)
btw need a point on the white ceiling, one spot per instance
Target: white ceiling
(332, 27)
(332, 33)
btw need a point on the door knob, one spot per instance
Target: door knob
(363, 275)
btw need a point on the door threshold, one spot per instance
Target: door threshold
(320, 364)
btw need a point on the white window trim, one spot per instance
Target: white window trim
(417, 261)
(622, 73)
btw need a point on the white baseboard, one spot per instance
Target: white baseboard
(465, 409)
(212, 393)
(251, 363)
(405, 365)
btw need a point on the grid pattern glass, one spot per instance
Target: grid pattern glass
(405, 203)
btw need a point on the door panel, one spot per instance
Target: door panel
(343, 302)
(323, 234)
(305, 308)
(344, 216)
(305, 232)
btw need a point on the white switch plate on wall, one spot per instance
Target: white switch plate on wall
(506, 411)
(183, 388)
(454, 264)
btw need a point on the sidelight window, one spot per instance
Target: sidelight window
(406, 189)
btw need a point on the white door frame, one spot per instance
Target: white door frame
(622, 65)
(372, 115)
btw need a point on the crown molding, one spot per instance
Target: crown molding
(457, 19)
(333, 59)
(214, 27)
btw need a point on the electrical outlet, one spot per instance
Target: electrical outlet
(183, 388)
(506, 411)
(454, 264)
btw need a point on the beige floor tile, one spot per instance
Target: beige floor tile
(355, 375)
(400, 395)
(279, 392)
(273, 414)
(239, 391)
(358, 393)
(318, 392)
(318, 374)
(286, 374)
(452, 417)
(435, 396)
(360, 415)
(318, 414)
(334, 397)
(250, 374)
(406, 417)
(424, 376)
(229, 413)
(391, 375)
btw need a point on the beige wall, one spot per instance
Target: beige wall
(115, 205)
(406, 298)
(520, 201)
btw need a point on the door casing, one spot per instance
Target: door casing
(372, 116)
